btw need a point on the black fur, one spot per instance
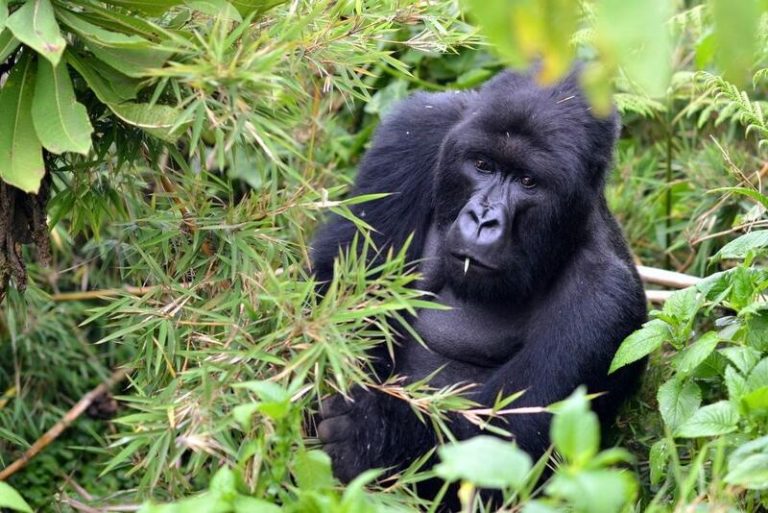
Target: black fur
(510, 177)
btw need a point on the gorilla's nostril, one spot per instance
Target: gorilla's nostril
(489, 223)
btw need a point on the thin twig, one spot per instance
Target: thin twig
(53, 433)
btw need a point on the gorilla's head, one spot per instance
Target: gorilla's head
(516, 183)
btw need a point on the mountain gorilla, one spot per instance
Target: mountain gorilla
(502, 190)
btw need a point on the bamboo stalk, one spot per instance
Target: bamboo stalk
(53, 433)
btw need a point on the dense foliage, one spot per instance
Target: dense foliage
(183, 153)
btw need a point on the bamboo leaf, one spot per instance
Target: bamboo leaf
(34, 24)
(21, 155)
(60, 122)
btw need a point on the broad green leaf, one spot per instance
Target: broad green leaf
(641, 343)
(275, 401)
(8, 44)
(60, 122)
(247, 7)
(634, 35)
(528, 30)
(595, 491)
(736, 36)
(740, 247)
(21, 155)
(678, 400)
(223, 481)
(34, 24)
(108, 84)
(216, 8)
(694, 355)
(535, 506)
(312, 470)
(10, 498)
(756, 400)
(151, 7)
(575, 429)
(134, 62)
(735, 383)
(158, 120)
(98, 35)
(485, 461)
(245, 504)
(750, 473)
(682, 305)
(3, 13)
(711, 420)
(758, 377)
(742, 357)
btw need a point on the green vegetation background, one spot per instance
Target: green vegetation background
(214, 137)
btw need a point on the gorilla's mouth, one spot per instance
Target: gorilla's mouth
(467, 262)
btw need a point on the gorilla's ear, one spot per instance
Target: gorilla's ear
(400, 162)
(602, 134)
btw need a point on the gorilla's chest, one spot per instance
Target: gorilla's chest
(469, 340)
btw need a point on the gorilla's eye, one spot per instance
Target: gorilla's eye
(527, 181)
(483, 166)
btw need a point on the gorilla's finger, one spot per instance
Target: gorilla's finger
(335, 429)
(334, 406)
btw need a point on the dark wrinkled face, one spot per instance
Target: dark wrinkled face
(510, 204)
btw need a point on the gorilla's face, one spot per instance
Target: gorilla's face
(513, 197)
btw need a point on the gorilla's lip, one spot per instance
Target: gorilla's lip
(473, 261)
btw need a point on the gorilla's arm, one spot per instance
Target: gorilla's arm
(401, 162)
(572, 342)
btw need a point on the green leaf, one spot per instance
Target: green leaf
(658, 459)
(151, 7)
(101, 36)
(575, 429)
(694, 355)
(528, 30)
(244, 504)
(34, 24)
(711, 420)
(742, 357)
(10, 498)
(108, 84)
(216, 8)
(312, 470)
(275, 401)
(247, 7)
(596, 491)
(21, 154)
(739, 248)
(748, 465)
(635, 36)
(158, 120)
(640, 343)
(678, 400)
(8, 44)
(736, 37)
(485, 461)
(758, 377)
(735, 383)
(134, 62)
(756, 400)
(750, 473)
(3, 14)
(60, 122)
(683, 305)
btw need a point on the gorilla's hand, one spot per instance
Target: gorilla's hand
(369, 431)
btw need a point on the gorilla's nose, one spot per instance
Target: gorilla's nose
(481, 227)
